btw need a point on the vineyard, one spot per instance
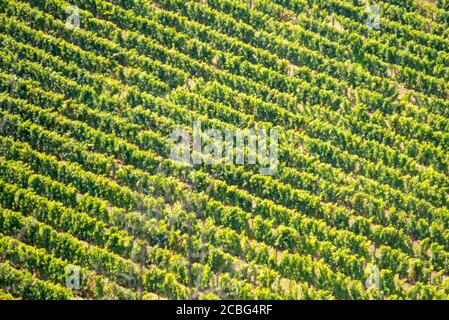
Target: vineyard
(93, 207)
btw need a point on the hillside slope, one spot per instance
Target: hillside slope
(352, 203)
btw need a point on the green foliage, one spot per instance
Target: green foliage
(85, 179)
